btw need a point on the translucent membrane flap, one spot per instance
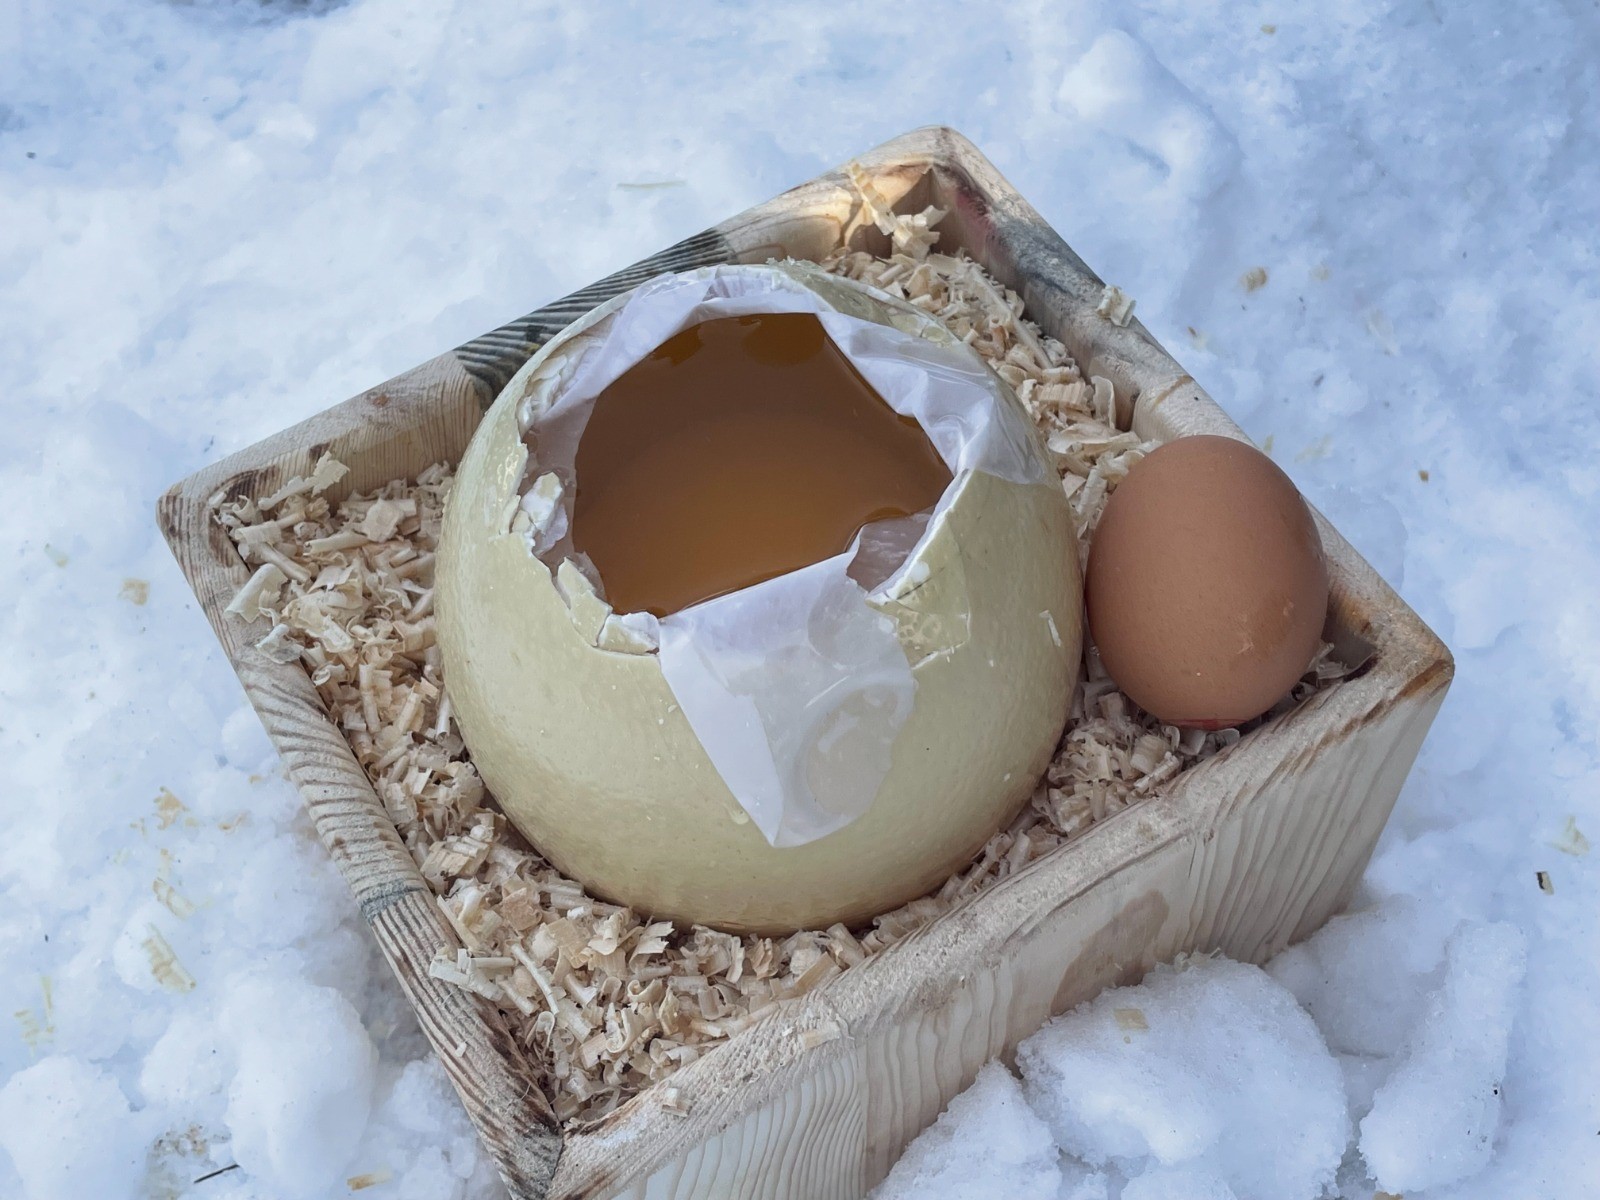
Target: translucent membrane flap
(796, 687)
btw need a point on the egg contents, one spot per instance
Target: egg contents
(737, 450)
(1206, 583)
(815, 747)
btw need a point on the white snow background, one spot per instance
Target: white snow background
(217, 219)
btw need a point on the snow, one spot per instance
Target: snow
(1210, 1079)
(70, 1131)
(302, 1091)
(1133, 1080)
(1178, 1183)
(1419, 1009)
(1018, 1159)
(1367, 229)
(1434, 1119)
(1365, 977)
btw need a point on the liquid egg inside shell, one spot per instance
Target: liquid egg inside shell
(1207, 585)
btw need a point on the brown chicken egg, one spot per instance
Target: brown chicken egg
(1206, 585)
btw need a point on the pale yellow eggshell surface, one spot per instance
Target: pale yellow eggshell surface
(586, 751)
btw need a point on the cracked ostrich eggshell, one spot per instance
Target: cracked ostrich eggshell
(587, 752)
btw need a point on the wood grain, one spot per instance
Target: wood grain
(416, 419)
(1243, 854)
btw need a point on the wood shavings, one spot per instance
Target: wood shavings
(327, 472)
(37, 1026)
(278, 645)
(910, 234)
(1115, 305)
(169, 809)
(672, 1101)
(258, 594)
(1131, 1019)
(164, 964)
(1572, 840)
(383, 517)
(610, 1002)
(176, 903)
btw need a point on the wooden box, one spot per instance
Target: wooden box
(1245, 853)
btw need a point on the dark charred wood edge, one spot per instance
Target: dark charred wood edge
(494, 357)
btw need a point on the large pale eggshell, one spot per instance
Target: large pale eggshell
(586, 751)
(1207, 585)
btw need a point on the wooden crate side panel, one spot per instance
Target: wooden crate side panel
(482, 1059)
(398, 429)
(394, 430)
(802, 1144)
(480, 1055)
(421, 416)
(1261, 855)
(1061, 293)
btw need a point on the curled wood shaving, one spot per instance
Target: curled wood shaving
(610, 1001)
(1115, 305)
(258, 594)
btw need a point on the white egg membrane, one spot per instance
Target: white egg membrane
(796, 686)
